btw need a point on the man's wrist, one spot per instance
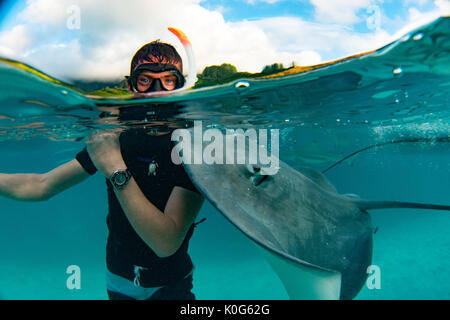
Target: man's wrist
(120, 178)
(115, 165)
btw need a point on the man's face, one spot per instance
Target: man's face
(146, 78)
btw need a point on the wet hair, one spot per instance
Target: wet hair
(162, 52)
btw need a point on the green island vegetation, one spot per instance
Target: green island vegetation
(225, 73)
(211, 76)
(105, 89)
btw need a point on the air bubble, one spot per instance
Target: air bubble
(418, 36)
(214, 126)
(397, 70)
(242, 84)
(405, 38)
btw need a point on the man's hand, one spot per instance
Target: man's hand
(104, 150)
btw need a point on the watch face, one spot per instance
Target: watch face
(120, 178)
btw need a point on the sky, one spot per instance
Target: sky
(95, 40)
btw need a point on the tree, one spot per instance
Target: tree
(218, 73)
(273, 68)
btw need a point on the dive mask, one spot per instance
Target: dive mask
(152, 83)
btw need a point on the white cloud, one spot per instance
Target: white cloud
(45, 11)
(407, 3)
(414, 13)
(340, 11)
(6, 52)
(259, 1)
(331, 41)
(443, 7)
(17, 39)
(111, 31)
(417, 18)
(222, 9)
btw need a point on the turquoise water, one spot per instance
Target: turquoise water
(401, 92)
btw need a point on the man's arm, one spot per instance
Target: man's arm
(164, 231)
(40, 187)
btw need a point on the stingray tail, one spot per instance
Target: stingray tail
(371, 205)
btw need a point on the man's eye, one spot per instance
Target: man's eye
(144, 80)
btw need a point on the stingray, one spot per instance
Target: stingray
(318, 242)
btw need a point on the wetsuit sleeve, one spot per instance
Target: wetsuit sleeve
(183, 180)
(86, 162)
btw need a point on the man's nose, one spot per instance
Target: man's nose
(156, 86)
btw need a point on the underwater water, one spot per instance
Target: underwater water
(394, 102)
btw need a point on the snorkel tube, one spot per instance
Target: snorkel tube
(192, 75)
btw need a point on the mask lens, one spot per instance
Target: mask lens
(145, 82)
(169, 82)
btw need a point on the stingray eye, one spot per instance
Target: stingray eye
(251, 168)
(257, 175)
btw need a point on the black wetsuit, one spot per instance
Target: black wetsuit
(125, 249)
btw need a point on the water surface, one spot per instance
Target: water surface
(396, 98)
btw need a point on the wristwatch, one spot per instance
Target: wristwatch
(119, 178)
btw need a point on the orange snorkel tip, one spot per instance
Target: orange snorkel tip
(181, 36)
(192, 76)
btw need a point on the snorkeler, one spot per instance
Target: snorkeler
(152, 202)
